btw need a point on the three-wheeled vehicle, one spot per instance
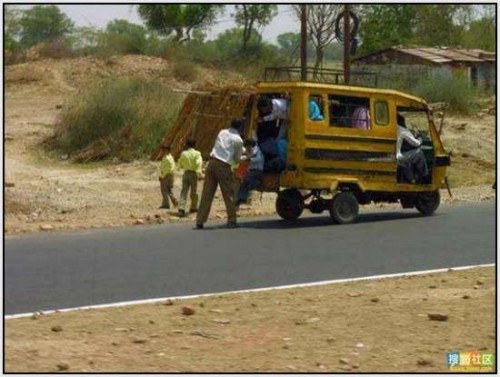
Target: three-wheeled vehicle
(347, 156)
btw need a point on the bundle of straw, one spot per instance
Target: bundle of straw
(203, 114)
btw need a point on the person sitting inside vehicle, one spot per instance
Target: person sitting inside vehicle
(277, 163)
(253, 176)
(409, 155)
(314, 110)
(361, 118)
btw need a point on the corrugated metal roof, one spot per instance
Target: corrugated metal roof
(443, 55)
(424, 54)
(447, 54)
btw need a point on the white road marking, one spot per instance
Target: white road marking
(314, 284)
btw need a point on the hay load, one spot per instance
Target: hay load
(203, 114)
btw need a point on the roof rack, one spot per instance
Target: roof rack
(322, 75)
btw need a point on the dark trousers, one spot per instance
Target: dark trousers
(217, 173)
(250, 182)
(413, 165)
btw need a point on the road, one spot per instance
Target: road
(64, 270)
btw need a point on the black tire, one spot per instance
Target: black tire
(339, 32)
(289, 204)
(344, 208)
(428, 202)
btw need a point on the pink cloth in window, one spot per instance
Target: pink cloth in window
(361, 118)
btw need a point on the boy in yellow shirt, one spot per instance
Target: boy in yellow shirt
(166, 177)
(191, 161)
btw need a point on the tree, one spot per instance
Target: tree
(124, 37)
(178, 18)
(250, 15)
(386, 25)
(481, 34)
(289, 44)
(44, 23)
(85, 39)
(438, 24)
(427, 25)
(320, 26)
(12, 27)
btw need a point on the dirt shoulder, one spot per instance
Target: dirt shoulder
(380, 325)
(363, 326)
(47, 192)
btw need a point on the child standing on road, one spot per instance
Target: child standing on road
(166, 177)
(191, 161)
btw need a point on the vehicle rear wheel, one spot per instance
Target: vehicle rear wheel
(428, 203)
(289, 204)
(344, 208)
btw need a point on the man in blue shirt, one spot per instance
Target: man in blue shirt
(314, 111)
(255, 168)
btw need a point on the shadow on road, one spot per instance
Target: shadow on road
(316, 221)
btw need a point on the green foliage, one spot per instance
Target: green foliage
(429, 25)
(129, 115)
(84, 39)
(123, 37)
(435, 25)
(12, 28)
(225, 53)
(289, 44)
(183, 68)
(180, 19)
(43, 23)
(456, 91)
(249, 16)
(385, 25)
(481, 34)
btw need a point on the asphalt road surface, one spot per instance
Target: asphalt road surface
(63, 270)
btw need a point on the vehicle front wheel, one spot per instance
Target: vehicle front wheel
(428, 203)
(344, 208)
(289, 204)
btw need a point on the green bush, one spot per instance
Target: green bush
(123, 117)
(456, 91)
(184, 69)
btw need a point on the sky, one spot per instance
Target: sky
(99, 15)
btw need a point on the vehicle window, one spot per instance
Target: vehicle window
(349, 112)
(316, 108)
(381, 113)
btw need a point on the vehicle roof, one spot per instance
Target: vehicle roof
(341, 88)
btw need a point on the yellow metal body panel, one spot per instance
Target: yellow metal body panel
(325, 156)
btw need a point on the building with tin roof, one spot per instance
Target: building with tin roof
(476, 65)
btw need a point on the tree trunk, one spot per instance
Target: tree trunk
(320, 53)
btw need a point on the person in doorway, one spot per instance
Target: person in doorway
(409, 155)
(191, 162)
(226, 153)
(252, 178)
(272, 118)
(166, 178)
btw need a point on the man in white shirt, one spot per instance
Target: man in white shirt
(409, 155)
(226, 152)
(272, 118)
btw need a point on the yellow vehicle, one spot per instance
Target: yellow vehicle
(337, 162)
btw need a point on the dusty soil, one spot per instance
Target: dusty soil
(378, 325)
(330, 328)
(45, 193)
